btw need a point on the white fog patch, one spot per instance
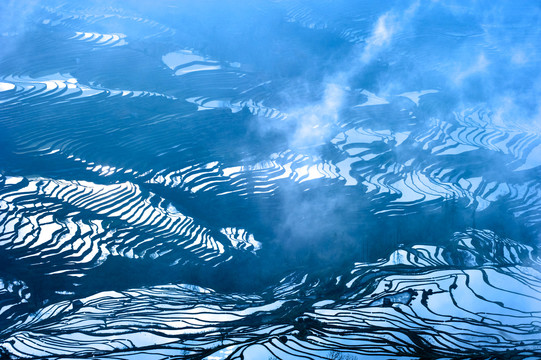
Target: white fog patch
(384, 32)
(312, 122)
(462, 73)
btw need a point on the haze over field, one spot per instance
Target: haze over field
(270, 179)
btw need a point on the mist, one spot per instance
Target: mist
(269, 179)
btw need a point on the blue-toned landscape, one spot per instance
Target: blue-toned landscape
(270, 179)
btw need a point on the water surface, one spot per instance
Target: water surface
(270, 179)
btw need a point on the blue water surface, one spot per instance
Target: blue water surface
(270, 179)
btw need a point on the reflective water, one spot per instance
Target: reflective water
(270, 179)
